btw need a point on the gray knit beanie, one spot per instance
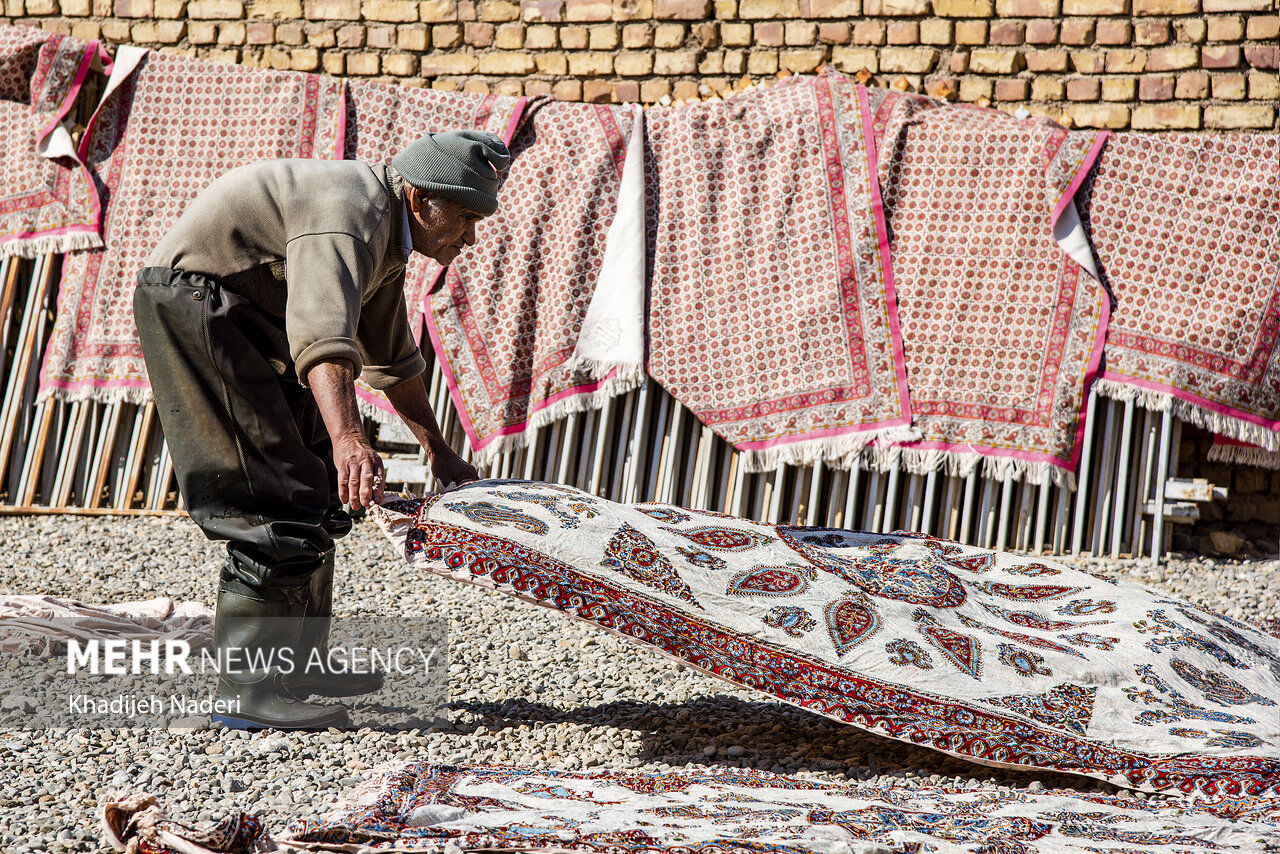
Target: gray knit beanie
(462, 165)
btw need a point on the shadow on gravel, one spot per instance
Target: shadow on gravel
(721, 731)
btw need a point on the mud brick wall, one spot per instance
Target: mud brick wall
(1122, 64)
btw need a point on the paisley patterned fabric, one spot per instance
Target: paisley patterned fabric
(772, 309)
(987, 656)
(1186, 227)
(1002, 330)
(160, 139)
(46, 205)
(424, 807)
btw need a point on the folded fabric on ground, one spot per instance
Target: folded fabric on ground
(508, 321)
(162, 135)
(47, 201)
(45, 623)
(382, 120)
(772, 311)
(988, 656)
(1237, 453)
(1187, 232)
(422, 807)
(136, 824)
(1002, 329)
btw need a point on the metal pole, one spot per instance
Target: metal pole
(1162, 475)
(1082, 475)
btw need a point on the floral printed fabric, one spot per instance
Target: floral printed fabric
(988, 656)
(160, 138)
(772, 312)
(46, 205)
(1187, 232)
(506, 324)
(424, 807)
(1002, 329)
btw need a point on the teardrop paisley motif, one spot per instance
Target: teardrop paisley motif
(772, 581)
(634, 554)
(498, 515)
(961, 650)
(850, 622)
(1027, 593)
(723, 539)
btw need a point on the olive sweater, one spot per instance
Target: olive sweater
(319, 243)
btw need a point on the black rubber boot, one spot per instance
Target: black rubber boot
(261, 631)
(313, 647)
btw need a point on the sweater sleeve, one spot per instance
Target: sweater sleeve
(322, 315)
(385, 340)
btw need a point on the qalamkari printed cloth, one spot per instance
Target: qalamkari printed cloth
(1186, 227)
(544, 315)
(1002, 325)
(382, 120)
(772, 311)
(168, 126)
(1000, 659)
(47, 201)
(423, 807)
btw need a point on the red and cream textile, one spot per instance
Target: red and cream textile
(772, 312)
(506, 323)
(1238, 453)
(718, 810)
(382, 120)
(160, 137)
(47, 201)
(992, 657)
(1002, 329)
(1186, 228)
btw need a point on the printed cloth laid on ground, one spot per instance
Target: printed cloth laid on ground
(1002, 328)
(382, 120)
(530, 324)
(48, 203)
(1186, 228)
(136, 824)
(422, 807)
(43, 623)
(1236, 452)
(988, 656)
(167, 128)
(772, 309)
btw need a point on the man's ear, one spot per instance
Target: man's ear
(415, 197)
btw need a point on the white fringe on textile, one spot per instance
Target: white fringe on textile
(1244, 455)
(94, 394)
(380, 416)
(840, 452)
(1215, 422)
(624, 382)
(964, 463)
(50, 244)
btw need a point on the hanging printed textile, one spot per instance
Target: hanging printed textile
(167, 128)
(772, 308)
(382, 120)
(48, 203)
(1187, 232)
(1236, 452)
(517, 310)
(1002, 328)
(424, 807)
(992, 657)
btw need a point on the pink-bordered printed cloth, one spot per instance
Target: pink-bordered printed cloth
(772, 309)
(167, 130)
(1186, 228)
(1240, 453)
(47, 201)
(1002, 328)
(509, 321)
(382, 120)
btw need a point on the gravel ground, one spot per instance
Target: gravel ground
(527, 686)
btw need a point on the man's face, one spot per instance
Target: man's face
(441, 228)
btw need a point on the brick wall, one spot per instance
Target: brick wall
(1124, 64)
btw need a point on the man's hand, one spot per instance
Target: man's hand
(360, 472)
(449, 468)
